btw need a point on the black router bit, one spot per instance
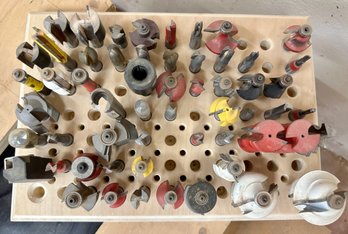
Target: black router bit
(277, 86)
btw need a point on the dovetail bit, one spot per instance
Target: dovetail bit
(89, 57)
(223, 59)
(247, 62)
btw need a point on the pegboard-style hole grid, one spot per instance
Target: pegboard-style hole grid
(192, 117)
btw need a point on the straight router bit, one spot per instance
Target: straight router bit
(196, 36)
(196, 62)
(57, 83)
(118, 36)
(144, 139)
(246, 114)
(170, 59)
(33, 55)
(89, 57)
(80, 77)
(223, 59)
(300, 114)
(142, 109)
(276, 112)
(170, 113)
(142, 52)
(117, 58)
(22, 77)
(295, 65)
(224, 138)
(53, 50)
(247, 62)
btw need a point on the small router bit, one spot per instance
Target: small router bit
(196, 139)
(224, 138)
(114, 195)
(86, 167)
(142, 52)
(246, 114)
(33, 55)
(144, 139)
(60, 29)
(141, 194)
(142, 109)
(196, 61)
(56, 83)
(22, 77)
(295, 65)
(170, 39)
(223, 86)
(89, 57)
(277, 86)
(141, 166)
(117, 166)
(170, 112)
(299, 114)
(223, 59)
(170, 59)
(196, 36)
(145, 33)
(229, 167)
(80, 77)
(62, 166)
(196, 87)
(76, 195)
(248, 62)
(276, 112)
(118, 36)
(53, 50)
(251, 87)
(117, 58)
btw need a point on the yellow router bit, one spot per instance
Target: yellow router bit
(142, 166)
(223, 112)
(53, 50)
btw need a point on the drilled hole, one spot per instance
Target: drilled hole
(195, 165)
(54, 126)
(296, 165)
(258, 154)
(209, 178)
(131, 178)
(242, 45)
(170, 140)
(68, 115)
(106, 125)
(79, 151)
(132, 152)
(157, 127)
(206, 127)
(282, 155)
(106, 179)
(156, 178)
(81, 127)
(292, 92)
(52, 152)
(182, 152)
(207, 153)
(284, 178)
(231, 128)
(52, 181)
(36, 192)
(231, 152)
(182, 127)
(182, 178)
(221, 192)
(93, 115)
(195, 116)
(139, 73)
(248, 165)
(157, 152)
(267, 67)
(265, 44)
(170, 165)
(120, 91)
(89, 140)
(272, 166)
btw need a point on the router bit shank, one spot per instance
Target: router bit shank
(22, 77)
(81, 77)
(196, 36)
(57, 83)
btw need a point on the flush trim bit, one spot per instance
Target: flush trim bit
(89, 57)
(170, 112)
(57, 83)
(200, 197)
(21, 76)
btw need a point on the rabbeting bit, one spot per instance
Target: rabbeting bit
(33, 55)
(251, 87)
(145, 33)
(173, 87)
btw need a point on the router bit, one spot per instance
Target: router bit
(22, 77)
(276, 112)
(89, 29)
(295, 65)
(246, 114)
(142, 109)
(114, 195)
(142, 166)
(145, 33)
(170, 59)
(196, 61)
(53, 50)
(223, 59)
(60, 29)
(196, 139)
(200, 197)
(76, 195)
(143, 139)
(298, 38)
(168, 194)
(56, 83)
(299, 114)
(196, 36)
(117, 166)
(196, 87)
(222, 111)
(142, 52)
(22, 169)
(170, 112)
(248, 62)
(229, 168)
(80, 77)
(277, 86)
(251, 87)
(36, 111)
(85, 167)
(170, 39)
(173, 87)
(89, 57)
(141, 194)
(118, 36)
(33, 55)
(223, 86)
(62, 166)
(117, 58)
(224, 138)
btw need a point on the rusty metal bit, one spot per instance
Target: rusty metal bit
(248, 62)
(118, 36)
(276, 112)
(196, 87)
(223, 86)
(224, 138)
(223, 59)
(117, 58)
(33, 55)
(196, 36)
(145, 34)
(196, 62)
(89, 57)
(246, 114)
(170, 113)
(170, 59)
(196, 139)
(142, 52)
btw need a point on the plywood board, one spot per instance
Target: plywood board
(252, 29)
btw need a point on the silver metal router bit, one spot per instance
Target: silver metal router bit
(117, 58)
(78, 195)
(144, 139)
(223, 59)
(118, 36)
(89, 57)
(247, 62)
(142, 109)
(196, 36)
(57, 83)
(81, 77)
(224, 138)
(223, 86)
(141, 194)
(170, 112)
(196, 61)
(170, 59)
(33, 55)
(246, 114)
(142, 52)
(276, 112)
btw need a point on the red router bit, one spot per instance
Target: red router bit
(299, 114)
(62, 166)
(170, 40)
(295, 65)
(298, 39)
(114, 195)
(196, 87)
(173, 87)
(224, 38)
(170, 195)
(85, 167)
